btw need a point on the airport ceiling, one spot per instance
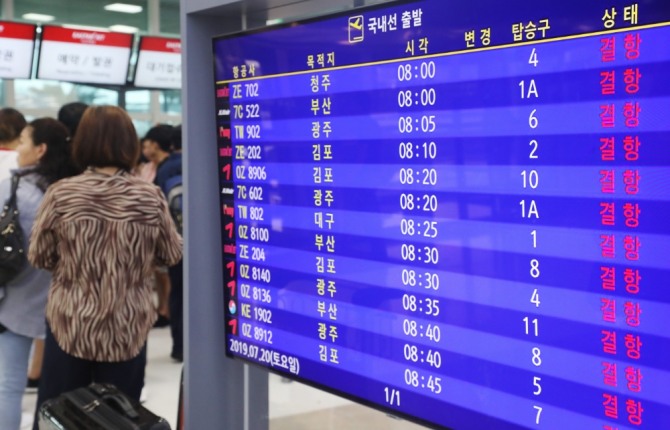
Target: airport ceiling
(92, 13)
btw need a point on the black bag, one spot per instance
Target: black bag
(12, 252)
(175, 199)
(97, 407)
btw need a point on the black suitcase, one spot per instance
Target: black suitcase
(97, 407)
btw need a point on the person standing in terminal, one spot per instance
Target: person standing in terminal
(43, 158)
(101, 234)
(168, 178)
(69, 114)
(156, 149)
(12, 123)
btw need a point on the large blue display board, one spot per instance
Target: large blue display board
(458, 212)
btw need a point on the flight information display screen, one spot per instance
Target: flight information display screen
(77, 55)
(158, 63)
(17, 42)
(456, 212)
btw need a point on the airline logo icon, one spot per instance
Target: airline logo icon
(222, 92)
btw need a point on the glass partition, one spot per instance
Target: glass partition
(170, 101)
(138, 101)
(50, 95)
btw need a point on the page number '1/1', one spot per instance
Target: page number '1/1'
(392, 396)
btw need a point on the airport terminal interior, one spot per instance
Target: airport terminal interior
(403, 214)
(293, 406)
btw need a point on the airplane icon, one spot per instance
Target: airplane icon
(355, 28)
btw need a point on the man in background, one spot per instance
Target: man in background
(70, 115)
(156, 148)
(169, 179)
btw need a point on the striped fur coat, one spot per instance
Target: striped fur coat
(102, 236)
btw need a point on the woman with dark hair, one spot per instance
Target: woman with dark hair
(43, 158)
(70, 114)
(101, 233)
(11, 124)
(56, 163)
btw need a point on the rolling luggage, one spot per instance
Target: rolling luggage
(97, 407)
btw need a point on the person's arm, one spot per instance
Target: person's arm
(42, 251)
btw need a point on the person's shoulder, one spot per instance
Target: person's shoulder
(69, 181)
(83, 182)
(88, 186)
(171, 164)
(10, 154)
(169, 169)
(140, 184)
(65, 187)
(31, 180)
(8, 161)
(5, 185)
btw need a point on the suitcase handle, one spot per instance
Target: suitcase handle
(122, 404)
(118, 401)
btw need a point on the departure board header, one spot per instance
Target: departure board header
(455, 213)
(392, 32)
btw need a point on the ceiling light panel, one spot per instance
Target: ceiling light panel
(123, 8)
(124, 28)
(39, 17)
(84, 27)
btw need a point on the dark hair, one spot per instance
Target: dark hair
(106, 137)
(161, 134)
(11, 124)
(56, 163)
(176, 138)
(70, 115)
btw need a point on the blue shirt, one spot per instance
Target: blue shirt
(170, 167)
